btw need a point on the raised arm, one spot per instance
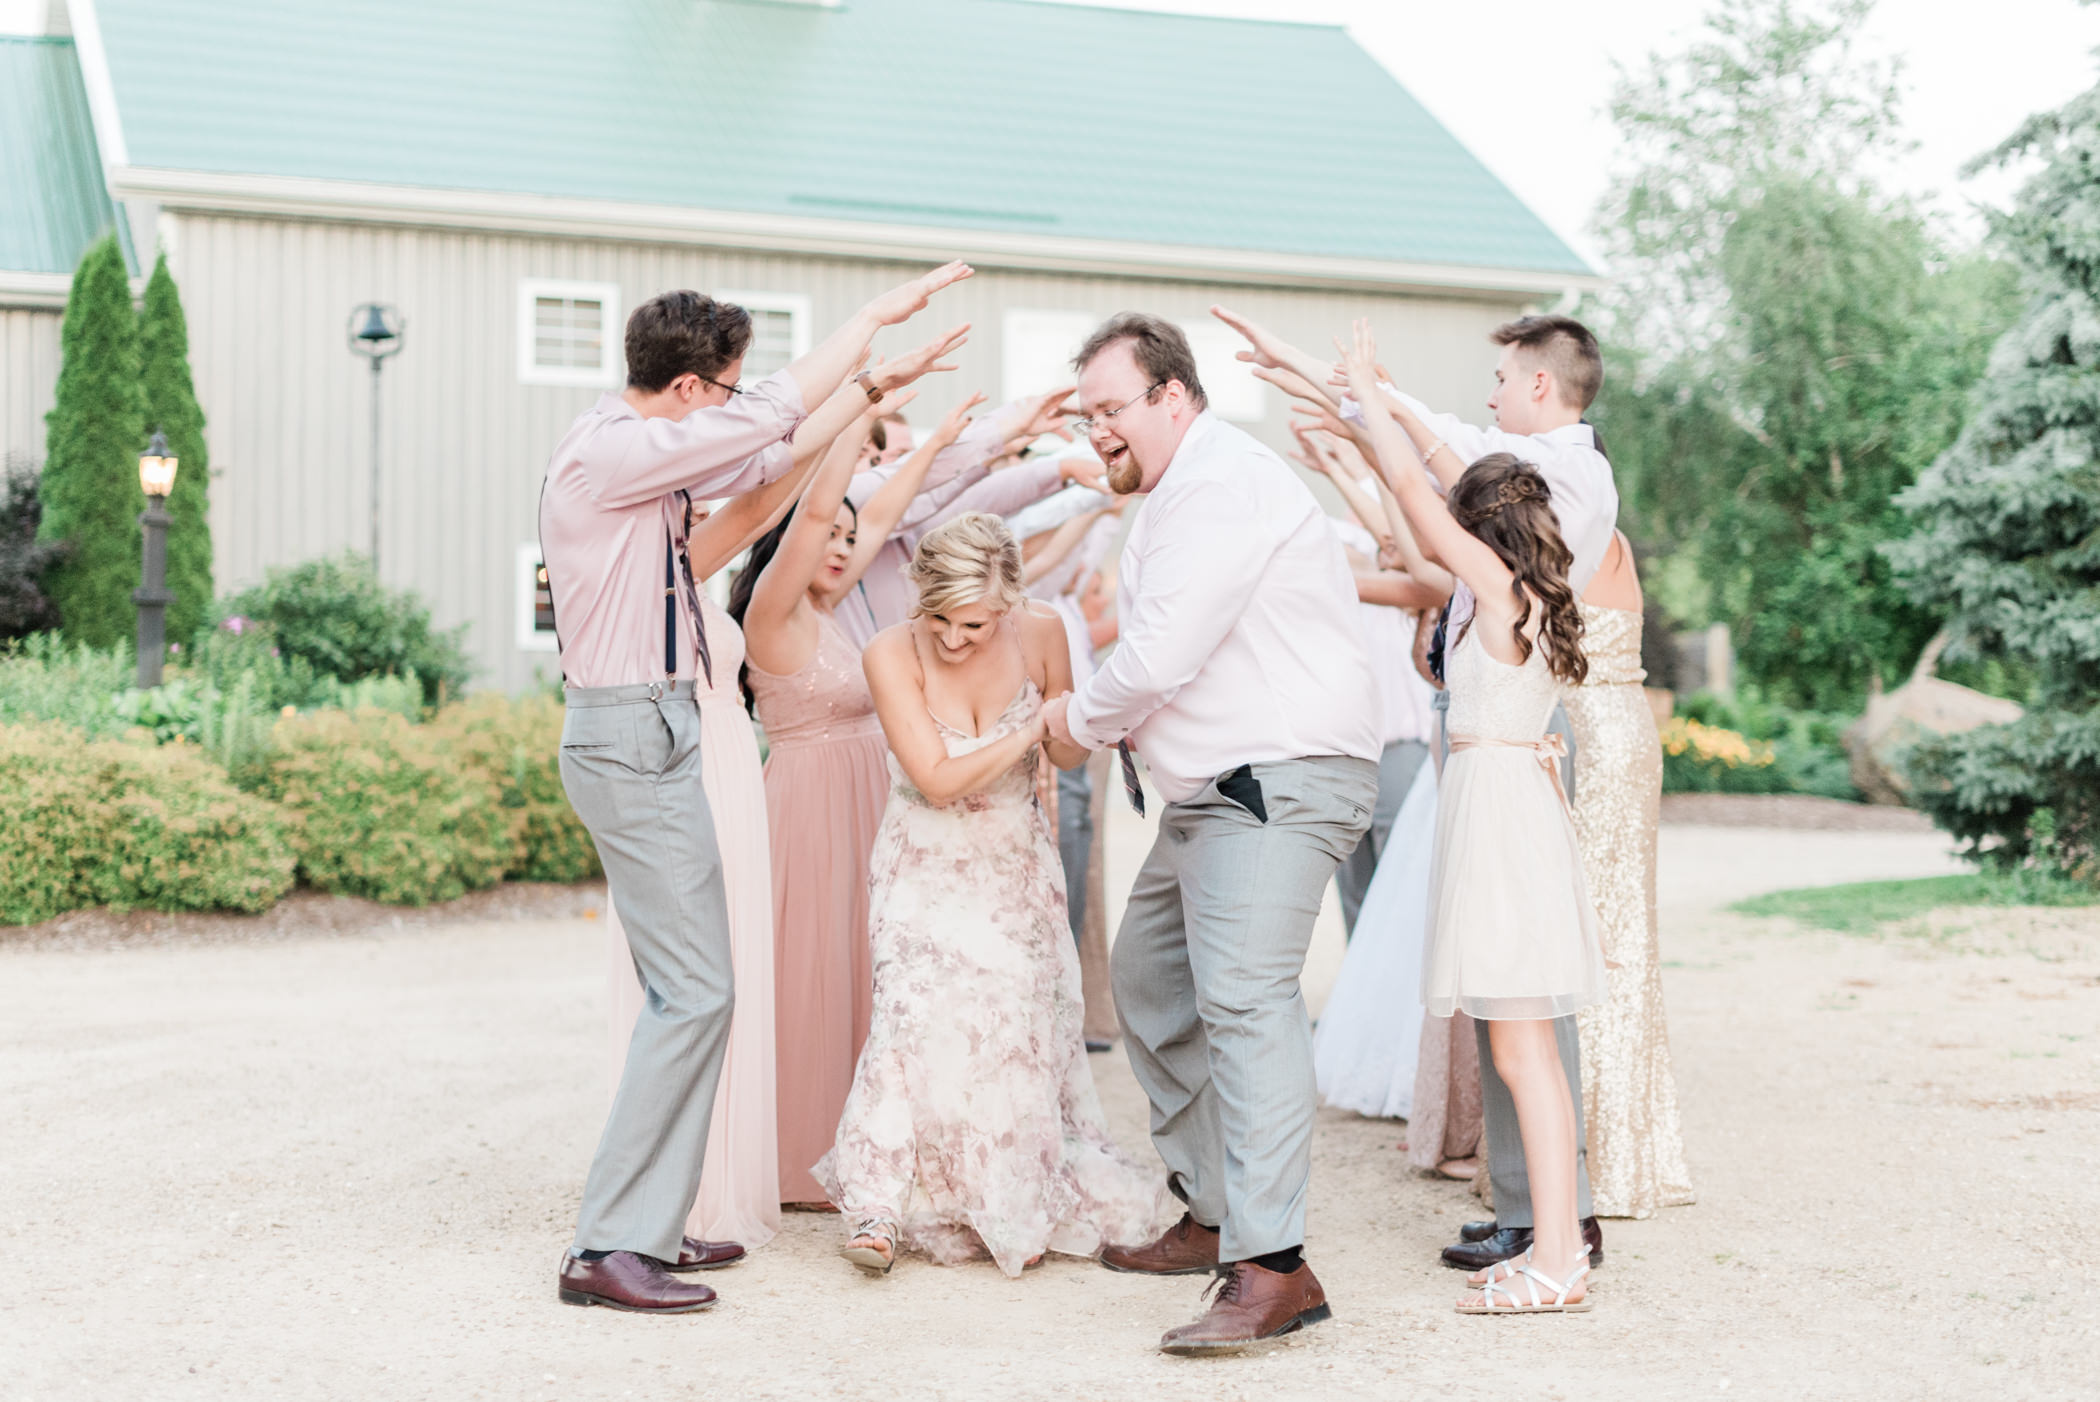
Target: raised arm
(1315, 453)
(899, 688)
(1268, 351)
(838, 355)
(1057, 547)
(1465, 553)
(879, 514)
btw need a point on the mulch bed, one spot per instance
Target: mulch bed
(1796, 811)
(300, 915)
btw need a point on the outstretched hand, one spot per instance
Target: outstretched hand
(1267, 349)
(1048, 414)
(903, 302)
(1360, 362)
(957, 419)
(924, 361)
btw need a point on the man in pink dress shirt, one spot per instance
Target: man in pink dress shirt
(612, 533)
(1241, 676)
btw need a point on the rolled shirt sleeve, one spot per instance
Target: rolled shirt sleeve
(717, 451)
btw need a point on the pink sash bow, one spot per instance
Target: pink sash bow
(1551, 748)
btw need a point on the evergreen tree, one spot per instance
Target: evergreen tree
(2008, 529)
(95, 432)
(171, 407)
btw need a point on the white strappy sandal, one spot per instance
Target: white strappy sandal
(874, 1262)
(1532, 1278)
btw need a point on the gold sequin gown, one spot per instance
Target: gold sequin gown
(1629, 1094)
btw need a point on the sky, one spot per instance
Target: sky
(1973, 71)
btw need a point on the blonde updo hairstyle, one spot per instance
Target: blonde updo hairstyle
(973, 559)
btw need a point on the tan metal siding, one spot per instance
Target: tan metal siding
(28, 377)
(465, 443)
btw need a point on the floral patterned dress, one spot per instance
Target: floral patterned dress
(973, 1121)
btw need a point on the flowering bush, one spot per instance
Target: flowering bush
(381, 810)
(129, 824)
(516, 745)
(1700, 758)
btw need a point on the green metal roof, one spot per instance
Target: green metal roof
(52, 203)
(1012, 115)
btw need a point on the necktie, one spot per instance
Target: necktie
(680, 529)
(1132, 789)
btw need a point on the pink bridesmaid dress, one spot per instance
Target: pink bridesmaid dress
(737, 1200)
(827, 780)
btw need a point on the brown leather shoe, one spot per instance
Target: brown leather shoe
(1251, 1305)
(698, 1255)
(1186, 1248)
(625, 1280)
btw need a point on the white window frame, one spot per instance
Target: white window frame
(606, 374)
(1237, 395)
(795, 304)
(1024, 332)
(529, 637)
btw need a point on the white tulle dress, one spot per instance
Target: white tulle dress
(1370, 1034)
(1512, 931)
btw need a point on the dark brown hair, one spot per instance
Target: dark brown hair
(1161, 350)
(684, 333)
(1506, 503)
(1563, 345)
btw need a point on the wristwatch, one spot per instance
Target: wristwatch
(867, 382)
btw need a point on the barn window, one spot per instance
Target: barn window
(779, 329)
(535, 601)
(568, 333)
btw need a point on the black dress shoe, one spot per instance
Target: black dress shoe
(1478, 1253)
(1477, 1231)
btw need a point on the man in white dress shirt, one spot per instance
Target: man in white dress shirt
(1242, 678)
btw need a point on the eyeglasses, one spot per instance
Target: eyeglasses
(1088, 425)
(731, 390)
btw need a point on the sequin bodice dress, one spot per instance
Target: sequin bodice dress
(1629, 1093)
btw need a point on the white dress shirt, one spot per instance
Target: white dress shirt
(1241, 641)
(1585, 499)
(1061, 587)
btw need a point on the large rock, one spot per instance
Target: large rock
(1895, 720)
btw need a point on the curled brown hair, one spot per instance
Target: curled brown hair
(1505, 502)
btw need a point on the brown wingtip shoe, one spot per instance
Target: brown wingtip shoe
(697, 1255)
(1186, 1248)
(1251, 1306)
(625, 1280)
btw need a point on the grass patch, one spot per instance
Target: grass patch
(1863, 906)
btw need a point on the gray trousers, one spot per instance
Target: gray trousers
(1505, 1144)
(630, 763)
(1205, 970)
(1397, 768)
(1075, 839)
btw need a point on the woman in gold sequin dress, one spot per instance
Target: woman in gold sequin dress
(1636, 1148)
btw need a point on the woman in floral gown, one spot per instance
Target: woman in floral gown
(973, 1126)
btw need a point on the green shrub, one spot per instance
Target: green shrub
(516, 744)
(43, 678)
(24, 560)
(129, 824)
(381, 811)
(340, 621)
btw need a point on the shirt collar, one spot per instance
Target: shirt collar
(1575, 435)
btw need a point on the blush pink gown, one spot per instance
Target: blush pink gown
(737, 1199)
(827, 778)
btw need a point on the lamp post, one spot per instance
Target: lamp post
(157, 477)
(375, 333)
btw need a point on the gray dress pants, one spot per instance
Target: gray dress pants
(1397, 768)
(1075, 839)
(1205, 970)
(630, 763)
(1505, 1145)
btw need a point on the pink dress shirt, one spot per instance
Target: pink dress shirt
(1241, 640)
(606, 513)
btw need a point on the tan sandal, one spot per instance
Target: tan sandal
(872, 1259)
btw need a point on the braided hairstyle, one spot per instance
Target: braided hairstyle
(1504, 502)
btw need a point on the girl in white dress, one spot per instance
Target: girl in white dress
(1512, 933)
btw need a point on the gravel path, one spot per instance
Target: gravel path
(344, 1165)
